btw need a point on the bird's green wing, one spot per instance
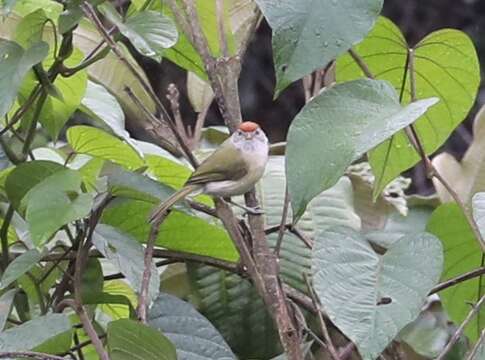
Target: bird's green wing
(226, 163)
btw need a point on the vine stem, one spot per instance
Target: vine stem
(459, 331)
(29, 355)
(414, 139)
(480, 342)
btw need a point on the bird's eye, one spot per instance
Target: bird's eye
(258, 132)
(239, 132)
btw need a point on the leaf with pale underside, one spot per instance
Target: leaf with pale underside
(192, 334)
(336, 128)
(351, 279)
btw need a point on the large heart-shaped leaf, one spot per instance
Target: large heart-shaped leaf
(309, 34)
(127, 255)
(336, 128)
(462, 254)
(351, 279)
(129, 339)
(54, 202)
(150, 32)
(33, 333)
(15, 62)
(445, 66)
(98, 143)
(192, 334)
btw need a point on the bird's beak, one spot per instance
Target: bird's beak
(249, 135)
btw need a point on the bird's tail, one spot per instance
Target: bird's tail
(182, 193)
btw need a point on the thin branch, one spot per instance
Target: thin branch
(361, 63)
(323, 327)
(29, 355)
(145, 282)
(173, 97)
(87, 326)
(459, 331)
(476, 348)
(457, 280)
(221, 28)
(157, 123)
(284, 215)
(4, 236)
(91, 14)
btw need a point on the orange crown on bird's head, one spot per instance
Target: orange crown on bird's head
(248, 126)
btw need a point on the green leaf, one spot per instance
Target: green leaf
(118, 310)
(321, 145)
(446, 66)
(70, 17)
(15, 62)
(150, 32)
(99, 103)
(478, 203)
(129, 339)
(98, 143)
(90, 172)
(350, 279)
(54, 202)
(168, 171)
(192, 334)
(19, 266)
(55, 113)
(30, 29)
(51, 8)
(92, 281)
(6, 301)
(33, 333)
(126, 255)
(179, 231)
(25, 176)
(133, 185)
(307, 35)
(462, 254)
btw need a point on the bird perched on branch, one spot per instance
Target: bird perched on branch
(233, 169)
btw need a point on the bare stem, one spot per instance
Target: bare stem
(323, 327)
(147, 273)
(221, 28)
(459, 331)
(457, 280)
(480, 342)
(281, 230)
(29, 355)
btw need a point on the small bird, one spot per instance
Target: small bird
(231, 170)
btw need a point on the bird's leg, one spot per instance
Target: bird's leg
(248, 210)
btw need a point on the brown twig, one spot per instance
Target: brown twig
(323, 327)
(173, 97)
(87, 326)
(147, 271)
(29, 355)
(480, 342)
(460, 330)
(282, 227)
(457, 280)
(221, 28)
(361, 63)
(91, 14)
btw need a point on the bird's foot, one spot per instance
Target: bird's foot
(253, 210)
(248, 210)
